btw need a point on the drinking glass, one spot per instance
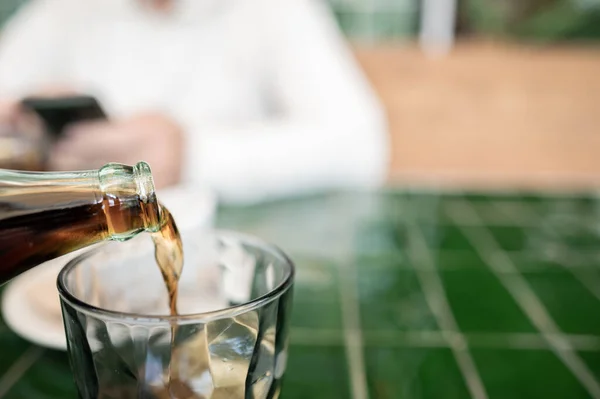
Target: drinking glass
(229, 340)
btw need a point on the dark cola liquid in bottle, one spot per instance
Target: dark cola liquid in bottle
(45, 215)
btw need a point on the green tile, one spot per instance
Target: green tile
(381, 262)
(481, 304)
(582, 201)
(532, 198)
(525, 374)
(538, 266)
(575, 204)
(49, 377)
(571, 305)
(442, 260)
(397, 206)
(411, 373)
(507, 212)
(392, 300)
(445, 237)
(571, 218)
(429, 208)
(533, 262)
(316, 295)
(511, 238)
(496, 197)
(550, 236)
(481, 198)
(426, 197)
(316, 372)
(491, 214)
(522, 212)
(316, 281)
(574, 233)
(592, 360)
(316, 315)
(457, 260)
(292, 223)
(11, 348)
(313, 336)
(584, 238)
(378, 237)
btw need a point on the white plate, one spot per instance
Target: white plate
(30, 303)
(31, 307)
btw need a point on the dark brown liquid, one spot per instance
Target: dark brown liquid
(29, 237)
(169, 256)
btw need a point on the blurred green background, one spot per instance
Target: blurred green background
(544, 20)
(390, 20)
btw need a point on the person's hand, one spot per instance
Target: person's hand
(9, 112)
(151, 137)
(15, 121)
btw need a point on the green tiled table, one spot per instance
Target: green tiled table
(412, 294)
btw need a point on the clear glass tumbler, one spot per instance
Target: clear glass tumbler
(229, 341)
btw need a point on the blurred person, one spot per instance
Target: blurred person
(255, 98)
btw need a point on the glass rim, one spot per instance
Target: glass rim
(203, 317)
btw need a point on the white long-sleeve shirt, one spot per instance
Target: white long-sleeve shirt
(270, 98)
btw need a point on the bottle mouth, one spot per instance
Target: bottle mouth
(144, 182)
(147, 196)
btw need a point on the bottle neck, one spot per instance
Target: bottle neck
(126, 194)
(129, 200)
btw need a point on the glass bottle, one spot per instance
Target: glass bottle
(44, 215)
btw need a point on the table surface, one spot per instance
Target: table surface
(416, 294)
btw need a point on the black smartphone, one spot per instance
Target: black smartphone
(58, 113)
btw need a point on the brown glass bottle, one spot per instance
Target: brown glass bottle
(46, 215)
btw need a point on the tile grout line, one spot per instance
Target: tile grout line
(521, 341)
(436, 339)
(523, 212)
(19, 367)
(578, 260)
(309, 336)
(590, 285)
(481, 222)
(514, 282)
(352, 331)
(435, 296)
(447, 268)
